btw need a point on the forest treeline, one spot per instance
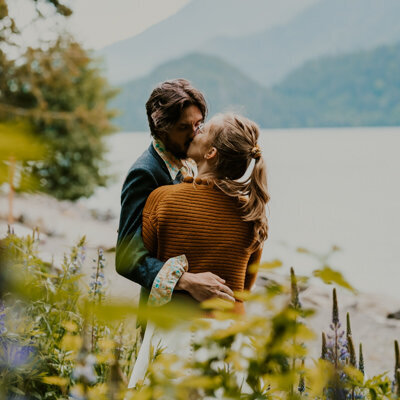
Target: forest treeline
(357, 89)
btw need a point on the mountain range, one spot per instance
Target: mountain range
(328, 27)
(224, 87)
(264, 39)
(292, 63)
(356, 89)
(191, 27)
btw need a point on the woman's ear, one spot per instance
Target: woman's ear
(211, 153)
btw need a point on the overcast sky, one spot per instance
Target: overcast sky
(96, 23)
(101, 22)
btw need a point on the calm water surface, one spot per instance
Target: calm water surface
(328, 187)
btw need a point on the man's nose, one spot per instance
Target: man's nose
(193, 131)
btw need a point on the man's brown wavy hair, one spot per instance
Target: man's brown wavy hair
(167, 102)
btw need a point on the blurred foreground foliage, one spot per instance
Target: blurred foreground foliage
(19, 150)
(57, 88)
(61, 338)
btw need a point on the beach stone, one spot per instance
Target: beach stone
(395, 315)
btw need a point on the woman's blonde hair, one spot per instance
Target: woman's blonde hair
(235, 138)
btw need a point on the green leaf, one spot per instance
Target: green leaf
(55, 380)
(217, 304)
(271, 264)
(355, 375)
(17, 140)
(329, 276)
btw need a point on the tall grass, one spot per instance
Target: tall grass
(61, 338)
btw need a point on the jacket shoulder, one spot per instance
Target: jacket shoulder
(150, 161)
(149, 169)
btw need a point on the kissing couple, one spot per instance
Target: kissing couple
(193, 212)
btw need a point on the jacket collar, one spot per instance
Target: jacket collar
(174, 166)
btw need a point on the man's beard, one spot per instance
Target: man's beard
(175, 150)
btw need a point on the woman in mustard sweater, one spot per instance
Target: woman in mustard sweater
(215, 222)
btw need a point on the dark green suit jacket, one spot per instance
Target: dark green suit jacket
(133, 261)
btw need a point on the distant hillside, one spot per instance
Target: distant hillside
(189, 28)
(360, 89)
(265, 39)
(224, 87)
(328, 27)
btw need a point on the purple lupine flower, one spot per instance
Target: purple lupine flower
(3, 328)
(16, 355)
(78, 258)
(23, 355)
(337, 352)
(13, 354)
(98, 282)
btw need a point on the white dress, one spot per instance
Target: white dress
(179, 341)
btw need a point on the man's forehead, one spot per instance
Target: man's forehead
(190, 114)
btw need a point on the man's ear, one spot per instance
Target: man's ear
(211, 153)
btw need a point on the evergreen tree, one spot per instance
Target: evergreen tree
(58, 88)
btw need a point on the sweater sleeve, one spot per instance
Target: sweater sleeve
(167, 278)
(150, 221)
(251, 274)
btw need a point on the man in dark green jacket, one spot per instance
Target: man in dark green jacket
(175, 110)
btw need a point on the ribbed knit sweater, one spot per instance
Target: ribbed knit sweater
(200, 221)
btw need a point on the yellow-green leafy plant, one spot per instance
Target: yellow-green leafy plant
(61, 338)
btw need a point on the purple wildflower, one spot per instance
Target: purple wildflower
(15, 355)
(78, 257)
(98, 283)
(3, 328)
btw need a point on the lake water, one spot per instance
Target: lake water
(328, 187)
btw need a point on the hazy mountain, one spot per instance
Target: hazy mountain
(224, 86)
(327, 27)
(192, 26)
(357, 89)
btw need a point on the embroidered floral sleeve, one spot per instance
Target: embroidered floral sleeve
(166, 279)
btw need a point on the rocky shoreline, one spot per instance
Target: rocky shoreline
(61, 224)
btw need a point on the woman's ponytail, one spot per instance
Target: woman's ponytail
(258, 197)
(235, 139)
